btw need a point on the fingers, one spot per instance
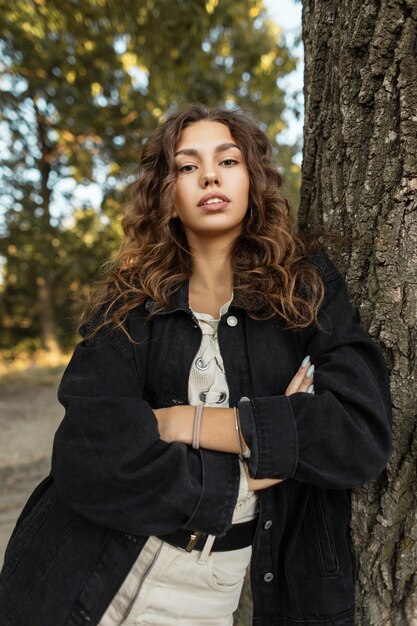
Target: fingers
(308, 380)
(256, 484)
(303, 380)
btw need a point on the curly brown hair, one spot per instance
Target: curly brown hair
(269, 261)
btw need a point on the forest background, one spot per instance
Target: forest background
(82, 85)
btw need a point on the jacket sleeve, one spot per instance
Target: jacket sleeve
(340, 437)
(111, 466)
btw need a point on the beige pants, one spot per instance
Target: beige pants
(171, 587)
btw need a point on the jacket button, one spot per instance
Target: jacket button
(268, 577)
(85, 615)
(268, 524)
(244, 399)
(231, 320)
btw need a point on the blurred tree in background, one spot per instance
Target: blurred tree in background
(81, 86)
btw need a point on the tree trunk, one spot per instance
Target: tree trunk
(359, 191)
(47, 317)
(46, 307)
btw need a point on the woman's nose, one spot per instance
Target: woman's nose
(210, 179)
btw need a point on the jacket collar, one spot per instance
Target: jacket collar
(179, 301)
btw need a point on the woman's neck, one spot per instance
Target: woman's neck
(211, 272)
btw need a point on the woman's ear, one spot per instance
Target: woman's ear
(174, 214)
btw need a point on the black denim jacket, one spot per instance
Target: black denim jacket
(114, 482)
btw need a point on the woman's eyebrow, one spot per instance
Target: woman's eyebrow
(220, 148)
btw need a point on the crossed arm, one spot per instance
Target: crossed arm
(218, 425)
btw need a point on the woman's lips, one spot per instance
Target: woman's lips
(213, 207)
(213, 202)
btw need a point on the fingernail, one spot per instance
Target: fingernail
(305, 361)
(310, 371)
(310, 389)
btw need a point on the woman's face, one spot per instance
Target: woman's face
(212, 190)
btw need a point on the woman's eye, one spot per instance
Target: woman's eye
(186, 168)
(229, 162)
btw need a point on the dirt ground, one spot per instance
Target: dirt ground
(29, 416)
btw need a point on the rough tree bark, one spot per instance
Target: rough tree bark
(359, 187)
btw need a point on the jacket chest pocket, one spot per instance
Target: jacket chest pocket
(175, 342)
(323, 533)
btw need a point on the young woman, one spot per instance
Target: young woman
(223, 402)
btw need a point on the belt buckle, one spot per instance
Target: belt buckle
(195, 536)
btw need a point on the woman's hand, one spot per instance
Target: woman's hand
(303, 380)
(168, 426)
(256, 484)
(175, 423)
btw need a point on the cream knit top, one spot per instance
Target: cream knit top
(207, 383)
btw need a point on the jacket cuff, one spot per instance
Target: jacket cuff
(214, 511)
(269, 429)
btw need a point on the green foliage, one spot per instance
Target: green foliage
(83, 83)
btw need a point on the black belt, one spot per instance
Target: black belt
(237, 537)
